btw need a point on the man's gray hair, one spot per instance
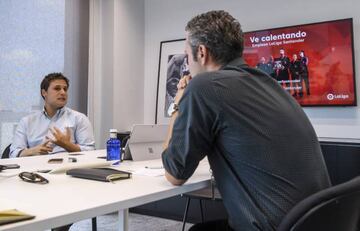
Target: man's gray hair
(219, 32)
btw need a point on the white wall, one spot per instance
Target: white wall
(129, 63)
(76, 52)
(166, 19)
(116, 66)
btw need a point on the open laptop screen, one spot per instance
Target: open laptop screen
(145, 142)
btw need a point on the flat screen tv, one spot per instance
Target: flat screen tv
(313, 62)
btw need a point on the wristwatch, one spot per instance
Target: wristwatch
(172, 109)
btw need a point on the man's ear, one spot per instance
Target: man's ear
(43, 93)
(202, 54)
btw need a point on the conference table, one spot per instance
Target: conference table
(65, 199)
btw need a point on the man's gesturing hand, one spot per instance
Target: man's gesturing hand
(40, 149)
(61, 139)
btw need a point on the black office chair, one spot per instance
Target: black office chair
(6, 152)
(332, 209)
(93, 224)
(209, 193)
(123, 137)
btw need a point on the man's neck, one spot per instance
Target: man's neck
(212, 66)
(50, 111)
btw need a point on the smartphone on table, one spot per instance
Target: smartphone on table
(10, 166)
(55, 160)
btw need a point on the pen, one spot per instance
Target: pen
(156, 167)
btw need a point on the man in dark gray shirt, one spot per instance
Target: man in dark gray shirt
(262, 149)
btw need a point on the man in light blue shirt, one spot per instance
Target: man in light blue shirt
(56, 128)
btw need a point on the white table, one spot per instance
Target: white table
(67, 200)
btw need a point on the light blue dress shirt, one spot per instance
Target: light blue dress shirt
(33, 129)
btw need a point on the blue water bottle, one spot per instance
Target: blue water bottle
(113, 150)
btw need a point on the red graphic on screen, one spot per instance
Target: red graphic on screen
(313, 62)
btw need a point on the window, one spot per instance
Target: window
(31, 46)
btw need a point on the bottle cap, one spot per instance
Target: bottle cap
(113, 130)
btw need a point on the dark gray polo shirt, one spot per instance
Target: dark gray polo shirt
(262, 149)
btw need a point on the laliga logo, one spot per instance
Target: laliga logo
(340, 96)
(330, 96)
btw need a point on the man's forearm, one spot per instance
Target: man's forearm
(174, 180)
(70, 147)
(181, 86)
(178, 96)
(26, 152)
(168, 176)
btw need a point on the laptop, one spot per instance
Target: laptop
(145, 142)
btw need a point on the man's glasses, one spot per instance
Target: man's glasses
(33, 178)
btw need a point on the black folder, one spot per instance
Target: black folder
(100, 174)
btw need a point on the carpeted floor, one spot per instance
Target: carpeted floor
(136, 223)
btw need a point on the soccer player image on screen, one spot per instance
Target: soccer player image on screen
(265, 67)
(304, 72)
(295, 70)
(282, 64)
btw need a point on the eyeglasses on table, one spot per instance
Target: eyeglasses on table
(32, 177)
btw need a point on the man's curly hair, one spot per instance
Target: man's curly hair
(219, 32)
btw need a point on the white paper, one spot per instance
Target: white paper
(68, 166)
(149, 172)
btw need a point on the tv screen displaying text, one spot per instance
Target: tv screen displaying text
(313, 62)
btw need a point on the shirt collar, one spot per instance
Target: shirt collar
(58, 113)
(236, 63)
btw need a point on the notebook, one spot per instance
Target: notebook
(13, 215)
(146, 142)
